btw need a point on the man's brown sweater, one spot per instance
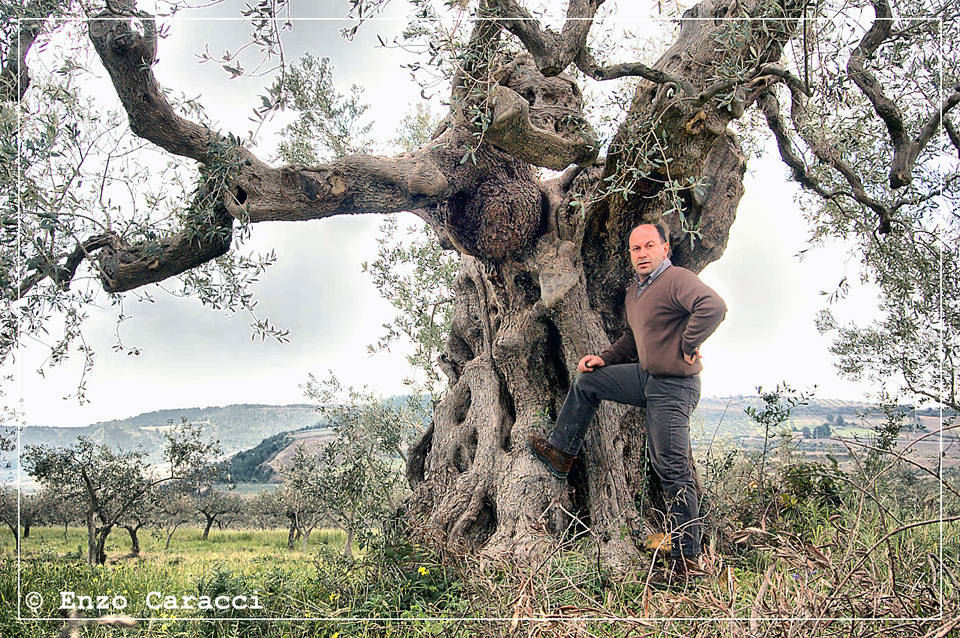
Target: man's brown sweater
(669, 319)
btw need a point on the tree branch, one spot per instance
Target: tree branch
(257, 192)
(553, 52)
(900, 457)
(826, 154)
(124, 266)
(240, 185)
(128, 55)
(63, 274)
(886, 109)
(952, 134)
(795, 83)
(534, 116)
(771, 110)
(933, 123)
(14, 77)
(905, 150)
(919, 199)
(587, 64)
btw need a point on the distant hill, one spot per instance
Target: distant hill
(263, 462)
(237, 427)
(260, 464)
(257, 438)
(815, 406)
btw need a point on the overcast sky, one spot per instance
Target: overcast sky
(192, 356)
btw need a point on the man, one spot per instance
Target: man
(670, 313)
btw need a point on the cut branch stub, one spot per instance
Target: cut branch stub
(125, 267)
(539, 119)
(513, 130)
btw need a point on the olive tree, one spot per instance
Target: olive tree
(8, 513)
(110, 485)
(520, 180)
(216, 506)
(300, 495)
(358, 471)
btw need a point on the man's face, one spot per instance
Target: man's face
(647, 251)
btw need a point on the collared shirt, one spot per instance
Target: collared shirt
(643, 284)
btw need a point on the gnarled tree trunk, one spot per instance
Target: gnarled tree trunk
(523, 320)
(544, 265)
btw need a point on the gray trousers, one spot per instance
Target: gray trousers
(669, 402)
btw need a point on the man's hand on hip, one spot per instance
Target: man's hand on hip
(693, 358)
(589, 363)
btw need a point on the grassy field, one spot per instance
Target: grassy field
(222, 564)
(801, 544)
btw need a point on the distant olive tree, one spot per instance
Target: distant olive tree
(8, 513)
(110, 485)
(59, 509)
(301, 495)
(175, 508)
(22, 512)
(266, 510)
(359, 471)
(216, 506)
(148, 513)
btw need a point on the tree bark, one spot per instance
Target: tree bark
(294, 532)
(170, 535)
(348, 544)
(520, 325)
(100, 551)
(134, 540)
(16, 536)
(92, 554)
(206, 529)
(305, 537)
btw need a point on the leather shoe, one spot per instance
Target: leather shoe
(687, 569)
(557, 461)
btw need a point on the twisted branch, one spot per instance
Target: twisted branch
(905, 149)
(552, 51)
(826, 154)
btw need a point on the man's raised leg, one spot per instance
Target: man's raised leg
(621, 383)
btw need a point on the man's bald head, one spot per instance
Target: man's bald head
(648, 247)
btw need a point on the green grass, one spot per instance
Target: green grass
(185, 542)
(775, 552)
